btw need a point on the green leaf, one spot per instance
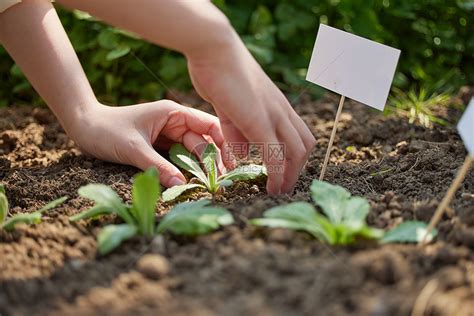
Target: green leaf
(111, 236)
(145, 194)
(247, 172)
(195, 169)
(331, 198)
(187, 161)
(53, 204)
(338, 205)
(194, 218)
(31, 218)
(410, 232)
(108, 39)
(106, 198)
(298, 216)
(355, 211)
(118, 52)
(173, 192)
(225, 183)
(179, 149)
(93, 212)
(3, 204)
(209, 158)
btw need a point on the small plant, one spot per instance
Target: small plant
(417, 107)
(208, 177)
(139, 217)
(343, 221)
(30, 218)
(192, 218)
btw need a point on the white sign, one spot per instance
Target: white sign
(466, 127)
(353, 66)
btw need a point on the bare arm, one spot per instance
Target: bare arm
(33, 35)
(192, 27)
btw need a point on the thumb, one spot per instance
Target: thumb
(146, 157)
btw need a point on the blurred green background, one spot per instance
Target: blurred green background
(436, 38)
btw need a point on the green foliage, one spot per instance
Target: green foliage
(208, 177)
(191, 218)
(145, 193)
(344, 221)
(410, 232)
(139, 217)
(435, 37)
(28, 219)
(3, 204)
(417, 107)
(112, 236)
(194, 218)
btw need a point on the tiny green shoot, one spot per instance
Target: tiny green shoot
(207, 177)
(343, 222)
(139, 217)
(29, 218)
(417, 106)
(194, 218)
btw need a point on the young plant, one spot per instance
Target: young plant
(207, 177)
(139, 217)
(30, 218)
(343, 221)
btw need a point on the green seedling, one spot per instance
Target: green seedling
(194, 218)
(139, 217)
(206, 177)
(418, 106)
(30, 218)
(343, 222)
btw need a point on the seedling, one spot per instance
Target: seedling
(343, 221)
(194, 218)
(206, 177)
(30, 218)
(139, 217)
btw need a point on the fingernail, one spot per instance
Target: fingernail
(176, 181)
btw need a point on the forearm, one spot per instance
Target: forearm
(192, 27)
(33, 35)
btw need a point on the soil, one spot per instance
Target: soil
(52, 268)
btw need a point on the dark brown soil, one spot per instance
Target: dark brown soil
(52, 268)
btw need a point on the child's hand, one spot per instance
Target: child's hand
(252, 109)
(128, 134)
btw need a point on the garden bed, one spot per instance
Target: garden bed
(52, 268)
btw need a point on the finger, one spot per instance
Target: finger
(272, 155)
(204, 124)
(147, 157)
(236, 143)
(306, 136)
(197, 143)
(295, 156)
(274, 161)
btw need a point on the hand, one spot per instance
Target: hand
(129, 134)
(252, 109)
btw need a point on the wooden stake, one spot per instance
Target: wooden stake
(448, 197)
(331, 140)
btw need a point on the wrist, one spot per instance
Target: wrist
(75, 118)
(218, 38)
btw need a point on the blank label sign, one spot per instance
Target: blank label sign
(466, 127)
(353, 66)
